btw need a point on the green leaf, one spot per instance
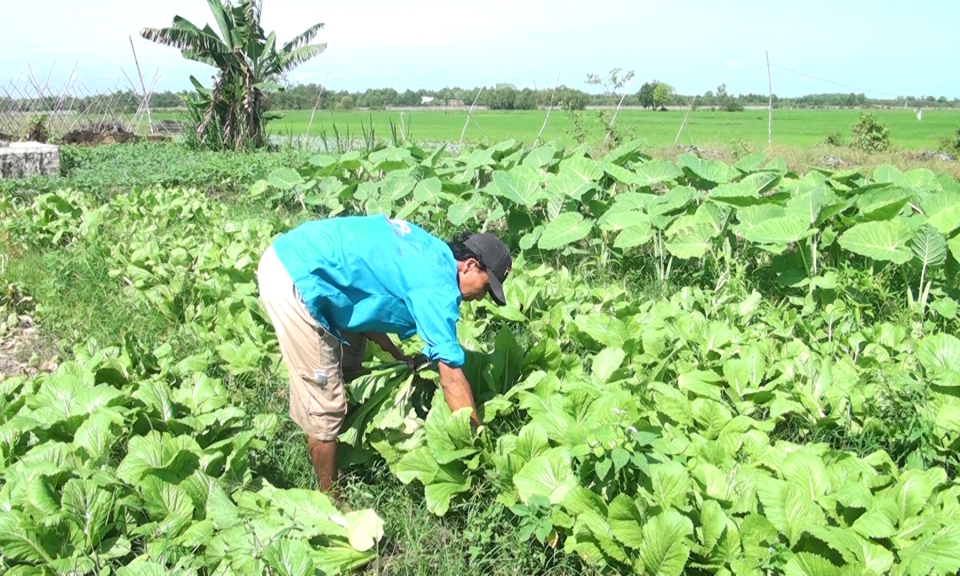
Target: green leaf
(883, 204)
(310, 509)
(936, 553)
(428, 191)
(943, 211)
(289, 558)
(96, 436)
(547, 475)
(885, 241)
(633, 236)
(285, 179)
(713, 521)
(929, 247)
(619, 220)
(810, 564)
(172, 458)
(539, 157)
(807, 205)
(875, 524)
(531, 442)
(670, 482)
(654, 171)
(940, 356)
(626, 521)
(461, 213)
(142, 568)
(18, 539)
(520, 185)
(954, 245)
(607, 362)
(665, 548)
(397, 188)
(674, 200)
(807, 472)
(710, 170)
(585, 169)
(448, 435)
(788, 507)
(736, 194)
(691, 242)
(389, 158)
(417, 465)
(364, 529)
(565, 229)
(784, 230)
(89, 506)
(701, 382)
(885, 173)
(570, 184)
(449, 481)
(623, 152)
(751, 216)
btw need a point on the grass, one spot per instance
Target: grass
(703, 128)
(77, 300)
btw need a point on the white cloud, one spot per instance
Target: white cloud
(737, 64)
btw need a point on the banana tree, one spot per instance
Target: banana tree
(232, 114)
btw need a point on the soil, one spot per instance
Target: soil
(931, 155)
(700, 152)
(96, 138)
(21, 348)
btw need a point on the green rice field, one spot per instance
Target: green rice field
(702, 128)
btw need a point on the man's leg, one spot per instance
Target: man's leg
(324, 458)
(312, 358)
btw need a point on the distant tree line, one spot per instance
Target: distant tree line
(652, 95)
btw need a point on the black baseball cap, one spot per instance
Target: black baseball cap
(495, 257)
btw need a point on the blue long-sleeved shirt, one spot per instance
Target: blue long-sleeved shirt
(374, 274)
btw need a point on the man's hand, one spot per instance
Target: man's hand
(410, 360)
(456, 391)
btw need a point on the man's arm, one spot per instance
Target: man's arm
(456, 391)
(385, 344)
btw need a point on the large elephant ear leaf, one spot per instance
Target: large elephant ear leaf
(929, 247)
(565, 229)
(886, 241)
(940, 356)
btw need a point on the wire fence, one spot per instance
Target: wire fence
(34, 108)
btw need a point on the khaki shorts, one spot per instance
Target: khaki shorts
(314, 358)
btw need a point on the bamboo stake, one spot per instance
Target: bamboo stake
(547, 117)
(470, 115)
(142, 84)
(769, 104)
(692, 102)
(317, 103)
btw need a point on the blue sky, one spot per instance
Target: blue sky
(879, 47)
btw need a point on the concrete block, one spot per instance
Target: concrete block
(24, 159)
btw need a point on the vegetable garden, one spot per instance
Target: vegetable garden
(702, 369)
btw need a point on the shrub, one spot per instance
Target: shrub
(834, 139)
(951, 145)
(870, 135)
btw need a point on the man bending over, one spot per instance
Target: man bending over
(330, 285)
